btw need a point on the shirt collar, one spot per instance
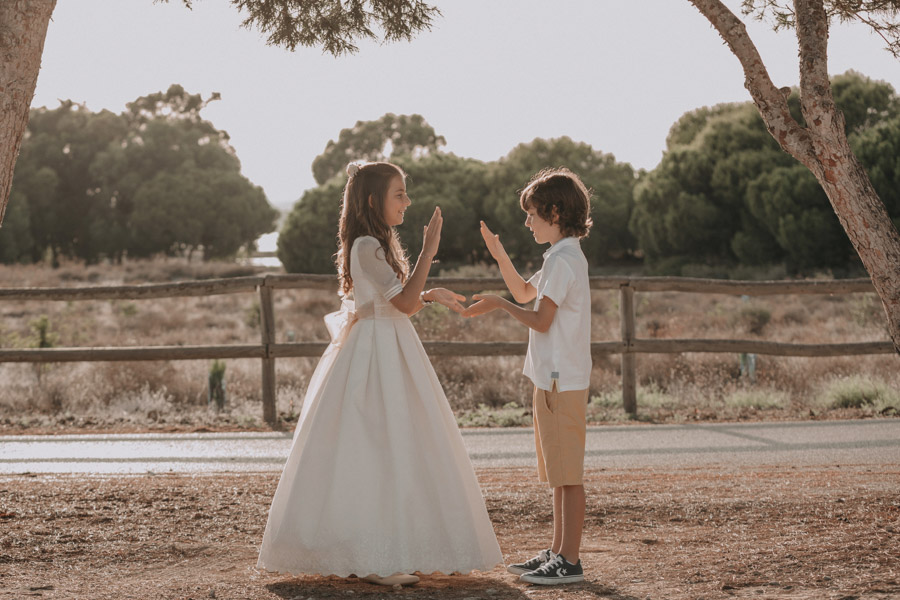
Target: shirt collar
(566, 241)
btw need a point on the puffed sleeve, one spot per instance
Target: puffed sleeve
(556, 281)
(376, 269)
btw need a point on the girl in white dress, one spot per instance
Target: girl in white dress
(378, 482)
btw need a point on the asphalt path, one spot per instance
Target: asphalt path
(724, 445)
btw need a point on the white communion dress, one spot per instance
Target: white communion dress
(378, 480)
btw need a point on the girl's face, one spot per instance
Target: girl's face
(544, 232)
(395, 202)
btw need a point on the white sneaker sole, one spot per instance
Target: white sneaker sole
(551, 580)
(517, 570)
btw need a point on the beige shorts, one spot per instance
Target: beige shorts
(559, 432)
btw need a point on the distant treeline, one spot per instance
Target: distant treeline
(154, 180)
(158, 179)
(723, 195)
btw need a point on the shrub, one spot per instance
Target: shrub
(859, 392)
(509, 415)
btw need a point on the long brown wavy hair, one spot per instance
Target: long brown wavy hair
(359, 218)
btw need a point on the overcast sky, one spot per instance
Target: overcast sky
(491, 74)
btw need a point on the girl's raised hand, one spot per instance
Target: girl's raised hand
(492, 241)
(448, 298)
(431, 238)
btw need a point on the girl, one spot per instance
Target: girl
(378, 482)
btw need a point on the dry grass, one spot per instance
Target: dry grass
(673, 388)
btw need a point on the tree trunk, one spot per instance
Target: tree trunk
(23, 28)
(822, 145)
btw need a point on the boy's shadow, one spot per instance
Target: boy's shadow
(451, 587)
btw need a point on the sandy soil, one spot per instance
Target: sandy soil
(830, 533)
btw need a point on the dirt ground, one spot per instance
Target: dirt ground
(830, 533)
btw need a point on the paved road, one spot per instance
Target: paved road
(620, 447)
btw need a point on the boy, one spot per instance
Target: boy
(558, 361)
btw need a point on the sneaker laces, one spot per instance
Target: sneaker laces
(550, 566)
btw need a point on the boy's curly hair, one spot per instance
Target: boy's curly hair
(559, 196)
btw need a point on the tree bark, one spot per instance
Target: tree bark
(821, 145)
(23, 29)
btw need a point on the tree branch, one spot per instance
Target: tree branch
(816, 100)
(771, 101)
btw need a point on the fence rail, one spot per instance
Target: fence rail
(268, 350)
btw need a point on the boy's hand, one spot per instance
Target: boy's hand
(492, 241)
(485, 304)
(448, 298)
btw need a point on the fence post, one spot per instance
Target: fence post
(267, 330)
(629, 383)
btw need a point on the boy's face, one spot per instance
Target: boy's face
(544, 232)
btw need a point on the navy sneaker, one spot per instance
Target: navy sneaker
(557, 570)
(528, 566)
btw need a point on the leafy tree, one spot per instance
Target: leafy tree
(459, 186)
(16, 243)
(706, 201)
(308, 240)
(691, 207)
(53, 176)
(157, 178)
(376, 141)
(334, 26)
(792, 206)
(612, 184)
(820, 142)
(879, 149)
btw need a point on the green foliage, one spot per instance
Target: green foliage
(155, 179)
(372, 141)
(308, 240)
(467, 190)
(509, 415)
(16, 241)
(335, 26)
(42, 336)
(612, 184)
(726, 193)
(216, 389)
(878, 148)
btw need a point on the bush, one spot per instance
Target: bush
(859, 392)
(510, 415)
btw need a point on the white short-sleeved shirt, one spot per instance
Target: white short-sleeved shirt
(369, 255)
(563, 352)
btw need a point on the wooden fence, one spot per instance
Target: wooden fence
(268, 350)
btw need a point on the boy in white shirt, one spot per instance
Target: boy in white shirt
(559, 356)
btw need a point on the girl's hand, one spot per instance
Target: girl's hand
(485, 304)
(431, 237)
(448, 298)
(492, 241)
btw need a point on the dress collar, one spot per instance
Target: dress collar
(566, 241)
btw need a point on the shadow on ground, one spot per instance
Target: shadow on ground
(458, 587)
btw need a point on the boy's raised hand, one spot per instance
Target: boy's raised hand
(484, 304)
(448, 298)
(492, 241)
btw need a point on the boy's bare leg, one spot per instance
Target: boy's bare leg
(557, 519)
(572, 513)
